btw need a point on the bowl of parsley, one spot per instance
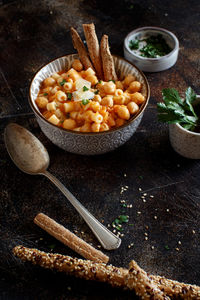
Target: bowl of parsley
(183, 116)
(152, 49)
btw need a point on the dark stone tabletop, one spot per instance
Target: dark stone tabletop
(164, 224)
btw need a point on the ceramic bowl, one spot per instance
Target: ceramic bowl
(152, 64)
(83, 142)
(185, 142)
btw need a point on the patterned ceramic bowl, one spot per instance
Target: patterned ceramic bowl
(83, 142)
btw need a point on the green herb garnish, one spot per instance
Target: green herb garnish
(85, 101)
(112, 80)
(141, 177)
(166, 247)
(117, 223)
(96, 92)
(100, 81)
(85, 88)
(45, 94)
(176, 110)
(156, 46)
(134, 44)
(52, 246)
(69, 96)
(62, 82)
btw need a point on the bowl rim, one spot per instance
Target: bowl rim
(171, 34)
(89, 133)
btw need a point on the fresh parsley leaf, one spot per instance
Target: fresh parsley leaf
(85, 101)
(171, 95)
(100, 81)
(45, 94)
(134, 44)
(63, 82)
(112, 80)
(123, 219)
(166, 247)
(96, 92)
(190, 97)
(69, 96)
(177, 110)
(85, 88)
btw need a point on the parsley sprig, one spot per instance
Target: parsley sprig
(178, 110)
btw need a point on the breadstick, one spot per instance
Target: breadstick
(144, 287)
(99, 271)
(86, 269)
(93, 48)
(107, 60)
(174, 288)
(68, 238)
(82, 52)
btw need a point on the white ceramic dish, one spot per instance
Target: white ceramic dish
(152, 64)
(82, 142)
(183, 141)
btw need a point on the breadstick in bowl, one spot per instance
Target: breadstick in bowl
(93, 48)
(82, 52)
(69, 239)
(107, 60)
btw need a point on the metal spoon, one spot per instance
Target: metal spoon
(31, 157)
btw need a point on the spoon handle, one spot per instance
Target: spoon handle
(107, 239)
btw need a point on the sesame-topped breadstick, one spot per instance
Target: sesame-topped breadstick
(143, 286)
(107, 60)
(93, 48)
(176, 289)
(78, 267)
(107, 273)
(82, 52)
(68, 238)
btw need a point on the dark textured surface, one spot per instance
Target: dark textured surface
(31, 35)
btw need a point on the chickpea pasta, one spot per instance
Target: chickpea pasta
(76, 100)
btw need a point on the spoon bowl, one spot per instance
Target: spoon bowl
(25, 150)
(31, 157)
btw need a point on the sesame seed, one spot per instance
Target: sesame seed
(177, 249)
(130, 205)
(155, 217)
(147, 227)
(152, 247)
(69, 288)
(151, 196)
(179, 242)
(129, 246)
(132, 244)
(146, 233)
(146, 238)
(126, 186)
(139, 212)
(140, 189)
(145, 194)
(193, 231)
(167, 210)
(144, 200)
(114, 230)
(125, 175)
(108, 225)
(99, 246)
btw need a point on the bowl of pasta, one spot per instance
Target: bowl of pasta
(103, 116)
(86, 108)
